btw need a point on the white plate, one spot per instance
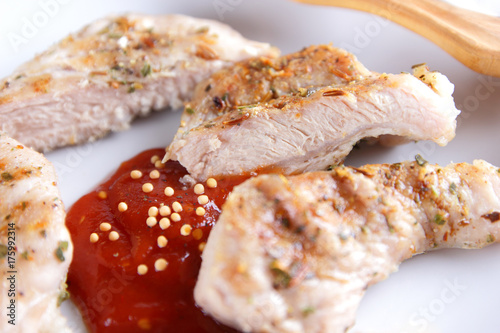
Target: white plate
(445, 291)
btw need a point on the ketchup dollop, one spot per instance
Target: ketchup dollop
(138, 241)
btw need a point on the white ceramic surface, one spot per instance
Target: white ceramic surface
(444, 291)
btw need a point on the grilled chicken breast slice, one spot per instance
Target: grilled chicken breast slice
(261, 79)
(296, 254)
(113, 70)
(310, 131)
(35, 245)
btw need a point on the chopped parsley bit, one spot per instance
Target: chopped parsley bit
(395, 166)
(63, 295)
(453, 188)
(62, 246)
(202, 30)
(25, 255)
(490, 238)
(43, 233)
(420, 160)
(331, 167)
(114, 35)
(23, 204)
(190, 110)
(131, 89)
(308, 310)
(3, 251)
(439, 219)
(225, 96)
(7, 176)
(281, 278)
(246, 106)
(146, 69)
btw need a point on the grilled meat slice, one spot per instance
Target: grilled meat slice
(296, 254)
(35, 245)
(310, 131)
(113, 70)
(261, 79)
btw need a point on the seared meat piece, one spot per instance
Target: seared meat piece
(35, 245)
(311, 130)
(116, 68)
(261, 79)
(296, 254)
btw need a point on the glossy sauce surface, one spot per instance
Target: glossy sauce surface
(123, 277)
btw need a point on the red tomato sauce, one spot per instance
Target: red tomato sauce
(124, 276)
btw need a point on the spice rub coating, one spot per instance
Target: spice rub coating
(295, 254)
(314, 127)
(116, 68)
(35, 246)
(262, 79)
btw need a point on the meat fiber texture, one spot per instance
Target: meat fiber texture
(35, 246)
(311, 124)
(296, 254)
(113, 70)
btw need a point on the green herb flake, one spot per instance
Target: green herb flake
(439, 219)
(7, 176)
(246, 106)
(453, 188)
(490, 238)
(202, 30)
(146, 69)
(25, 255)
(281, 278)
(308, 310)
(62, 246)
(420, 160)
(331, 167)
(190, 110)
(63, 296)
(114, 35)
(116, 68)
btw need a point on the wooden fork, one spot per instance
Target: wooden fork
(472, 38)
